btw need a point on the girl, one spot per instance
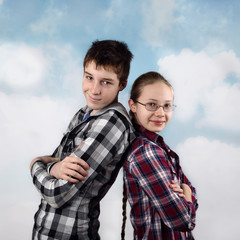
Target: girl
(163, 201)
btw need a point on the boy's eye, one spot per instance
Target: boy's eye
(106, 83)
(89, 77)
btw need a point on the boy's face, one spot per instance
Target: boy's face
(100, 86)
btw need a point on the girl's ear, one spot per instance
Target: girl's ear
(132, 105)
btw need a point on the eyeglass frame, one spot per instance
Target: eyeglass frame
(157, 107)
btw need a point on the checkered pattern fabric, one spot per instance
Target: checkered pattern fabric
(157, 212)
(70, 211)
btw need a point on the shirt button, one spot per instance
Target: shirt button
(169, 150)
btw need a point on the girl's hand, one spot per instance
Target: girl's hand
(187, 192)
(183, 191)
(176, 188)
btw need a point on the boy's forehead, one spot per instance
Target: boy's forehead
(93, 68)
(92, 65)
(98, 66)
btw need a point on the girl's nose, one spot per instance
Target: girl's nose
(160, 112)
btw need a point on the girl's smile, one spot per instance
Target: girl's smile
(157, 93)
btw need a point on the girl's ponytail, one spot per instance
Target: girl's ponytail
(124, 211)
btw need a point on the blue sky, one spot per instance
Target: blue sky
(194, 44)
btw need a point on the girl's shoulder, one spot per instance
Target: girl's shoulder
(142, 143)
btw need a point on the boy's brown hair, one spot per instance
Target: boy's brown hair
(110, 54)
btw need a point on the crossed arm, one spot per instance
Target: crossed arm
(72, 169)
(99, 146)
(175, 204)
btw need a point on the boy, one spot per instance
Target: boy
(95, 141)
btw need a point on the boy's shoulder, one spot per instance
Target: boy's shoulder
(115, 112)
(116, 108)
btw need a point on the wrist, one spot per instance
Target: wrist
(53, 169)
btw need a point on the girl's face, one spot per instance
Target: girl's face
(158, 94)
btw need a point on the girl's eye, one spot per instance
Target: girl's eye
(168, 106)
(151, 104)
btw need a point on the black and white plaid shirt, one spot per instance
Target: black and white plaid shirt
(70, 211)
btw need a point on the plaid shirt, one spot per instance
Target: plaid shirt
(157, 212)
(70, 211)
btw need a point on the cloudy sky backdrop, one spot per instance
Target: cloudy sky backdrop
(193, 43)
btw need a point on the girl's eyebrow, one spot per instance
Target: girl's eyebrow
(152, 99)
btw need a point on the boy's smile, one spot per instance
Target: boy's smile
(100, 86)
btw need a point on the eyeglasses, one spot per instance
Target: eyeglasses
(153, 107)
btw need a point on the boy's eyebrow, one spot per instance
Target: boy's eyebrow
(87, 73)
(108, 79)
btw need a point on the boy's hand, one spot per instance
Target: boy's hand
(71, 169)
(44, 159)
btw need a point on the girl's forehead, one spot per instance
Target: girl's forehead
(157, 90)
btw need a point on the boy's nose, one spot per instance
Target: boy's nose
(96, 88)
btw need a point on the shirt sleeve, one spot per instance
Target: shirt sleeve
(185, 180)
(105, 138)
(153, 173)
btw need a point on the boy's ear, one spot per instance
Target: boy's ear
(123, 85)
(132, 105)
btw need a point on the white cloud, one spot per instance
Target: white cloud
(212, 166)
(27, 122)
(200, 80)
(158, 19)
(22, 66)
(220, 108)
(49, 23)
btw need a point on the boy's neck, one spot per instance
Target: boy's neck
(95, 111)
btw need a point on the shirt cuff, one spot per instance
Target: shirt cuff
(49, 166)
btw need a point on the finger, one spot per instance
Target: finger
(77, 175)
(80, 162)
(70, 179)
(76, 167)
(79, 169)
(181, 195)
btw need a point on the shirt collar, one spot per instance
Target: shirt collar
(152, 136)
